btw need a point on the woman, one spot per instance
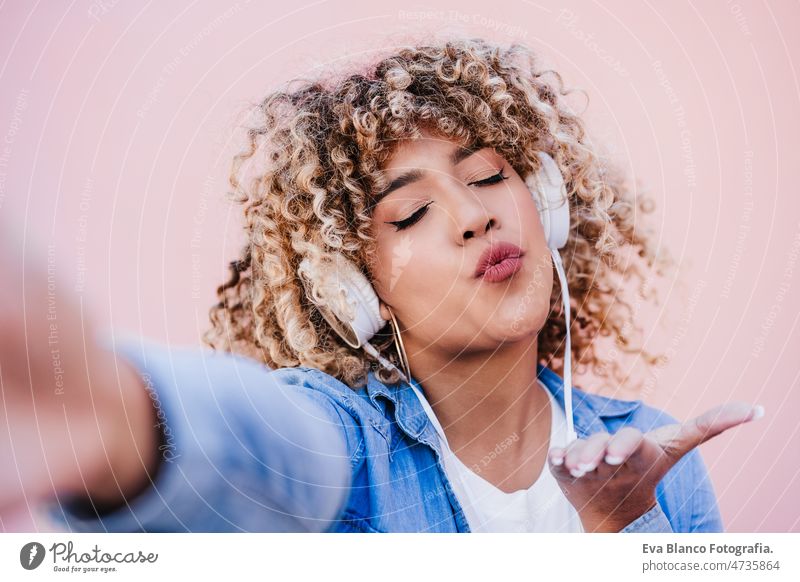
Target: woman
(398, 279)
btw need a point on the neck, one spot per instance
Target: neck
(483, 398)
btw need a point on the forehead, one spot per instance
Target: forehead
(427, 149)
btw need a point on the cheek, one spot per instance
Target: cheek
(411, 269)
(540, 281)
(524, 218)
(398, 262)
(523, 213)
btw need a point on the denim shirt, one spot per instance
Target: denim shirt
(247, 448)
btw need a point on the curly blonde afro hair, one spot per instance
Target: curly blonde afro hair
(319, 148)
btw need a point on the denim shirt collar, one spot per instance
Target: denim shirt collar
(589, 410)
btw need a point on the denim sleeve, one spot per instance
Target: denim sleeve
(652, 521)
(705, 514)
(242, 448)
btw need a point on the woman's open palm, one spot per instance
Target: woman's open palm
(611, 479)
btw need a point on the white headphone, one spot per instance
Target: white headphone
(359, 318)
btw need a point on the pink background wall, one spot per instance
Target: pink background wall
(117, 121)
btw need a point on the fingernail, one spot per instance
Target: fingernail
(758, 412)
(576, 473)
(612, 460)
(586, 467)
(557, 461)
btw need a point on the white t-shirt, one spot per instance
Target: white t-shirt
(540, 508)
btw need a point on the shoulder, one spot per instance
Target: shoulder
(325, 386)
(345, 406)
(616, 412)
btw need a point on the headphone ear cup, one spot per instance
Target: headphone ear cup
(364, 319)
(368, 320)
(532, 182)
(550, 195)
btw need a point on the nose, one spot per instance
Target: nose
(468, 234)
(473, 218)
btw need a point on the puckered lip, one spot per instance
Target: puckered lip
(495, 253)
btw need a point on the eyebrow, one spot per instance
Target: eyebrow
(458, 155)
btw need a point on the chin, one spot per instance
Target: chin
(521, 325)
(510, 329)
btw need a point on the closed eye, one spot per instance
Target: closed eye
(417, 216)
(496, 179)
(413, 219)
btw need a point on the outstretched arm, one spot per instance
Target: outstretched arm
(134, 435)
(236, 449)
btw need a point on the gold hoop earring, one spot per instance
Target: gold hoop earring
(398, 342)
